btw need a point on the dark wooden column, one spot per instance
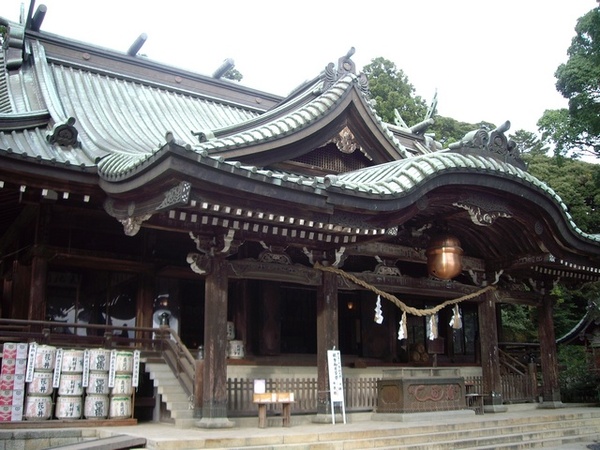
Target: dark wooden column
(327, 339)
(145, 297)
(37, 291)
(490, 357)
(214, 380)
(551, 388)
(270, 333)
(21, 286)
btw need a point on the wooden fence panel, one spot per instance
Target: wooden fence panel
(360, 394)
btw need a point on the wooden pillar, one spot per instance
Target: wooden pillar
(327, 339)
(549, 363)
(270, 333)
(490, 357)
(37, 291)
(144, 304)
(21, 285)
(214, 380)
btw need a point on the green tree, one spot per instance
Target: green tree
(576, 182)
(448, 130)
(578, 80)
(392, 91)
(528, 142)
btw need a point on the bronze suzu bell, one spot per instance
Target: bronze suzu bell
(444, 257)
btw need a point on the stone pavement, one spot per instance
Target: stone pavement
(160, 434)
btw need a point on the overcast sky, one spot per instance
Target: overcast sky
(488, 60)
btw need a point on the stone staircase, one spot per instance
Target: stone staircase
(494, 431)
(171, 393)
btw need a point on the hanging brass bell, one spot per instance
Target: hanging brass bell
(444, 257)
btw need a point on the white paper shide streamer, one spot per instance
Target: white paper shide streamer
(378, 314)
(456, 321)
(433, 327)
(402, 333)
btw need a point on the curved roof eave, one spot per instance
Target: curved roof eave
(323, 109)
(264, 144)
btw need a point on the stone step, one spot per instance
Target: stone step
(182, 414)
(535, 434)
(169, 389)
(175, 397)
(179, 406)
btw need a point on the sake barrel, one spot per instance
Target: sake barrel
(124, 362)
(99, 359)
(120, 407)
(70, 384)
(236, 349)
(45, 356)
(38, 407)
(68, 407)
(122, 385)
(97, 383)
(72, 361)
(41, 384)
(95, 407)
(230, 331)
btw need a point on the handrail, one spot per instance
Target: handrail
(178, 358)
(512, 363)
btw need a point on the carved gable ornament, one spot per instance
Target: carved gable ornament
(492, 143)
(345, 141)
(483, 212)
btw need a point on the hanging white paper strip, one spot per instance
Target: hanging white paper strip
(456, 321)
(378, 315)
(402, 333)
(433, 327)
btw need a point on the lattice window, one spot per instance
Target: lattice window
(330, 159)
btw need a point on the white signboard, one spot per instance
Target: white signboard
(336, 382)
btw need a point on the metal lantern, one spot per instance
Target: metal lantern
(444, 257)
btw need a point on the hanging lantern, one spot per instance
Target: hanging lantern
(444, 257)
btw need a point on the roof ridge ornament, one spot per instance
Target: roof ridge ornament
(64, 134)
(494, 142)
(345, 66)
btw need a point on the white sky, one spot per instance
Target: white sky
(488, 60)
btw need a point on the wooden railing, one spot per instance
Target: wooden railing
(519, 380)
(360, 394)
(178, 358)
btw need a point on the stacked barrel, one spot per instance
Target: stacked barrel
(235, 348)
(12, 381)
(121, 381)
(96, 369)
(68, 375)
(39, 378)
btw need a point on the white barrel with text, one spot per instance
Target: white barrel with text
(71, 384)
(68, 407)
(99, 360)
(97, 383)
(120, 407)
(41, 384)
(72, 361)
(38, 407)
(95, 407)
(124, 362)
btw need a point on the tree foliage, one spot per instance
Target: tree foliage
(391, 90)
(576, 182)
(578, 80)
